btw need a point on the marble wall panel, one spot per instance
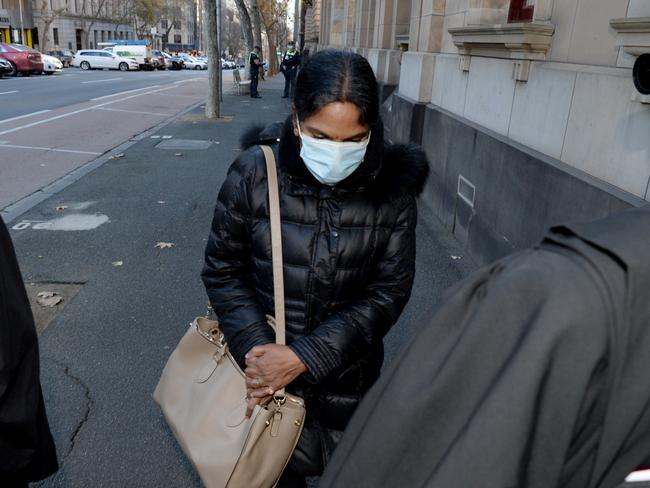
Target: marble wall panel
(490, 93)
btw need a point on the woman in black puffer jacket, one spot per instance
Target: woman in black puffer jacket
(348, 227)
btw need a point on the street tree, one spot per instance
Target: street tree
(212, 103)
(257, 23)
(48, 15)
(231, 36)
(123, 8)
(173, 14)
(145, 15)
(272, 14)
(247, 29)
(93, 10)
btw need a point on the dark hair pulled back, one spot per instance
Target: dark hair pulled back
(337, 76)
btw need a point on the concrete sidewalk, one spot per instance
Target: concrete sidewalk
(103, 353)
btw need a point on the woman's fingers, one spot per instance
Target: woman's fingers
(260, 392)
(252, 402)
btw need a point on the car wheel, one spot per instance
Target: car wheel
(48, 72)
(197, 67)
(124, 67)
(85, 65)
(14, 70)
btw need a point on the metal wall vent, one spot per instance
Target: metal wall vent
(466, 190)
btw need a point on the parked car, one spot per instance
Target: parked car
(158, 59)
(23, 59)
(51, 64)
(5, 67)
(65, 56)
(173, 62)
(193, 63)
(226, 64)
(138, 50)
(100, 59)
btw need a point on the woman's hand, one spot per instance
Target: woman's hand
(268, 369)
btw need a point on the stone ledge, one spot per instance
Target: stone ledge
(529, 41)
(633, 34)
(522, 42)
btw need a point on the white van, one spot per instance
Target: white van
(139, 51)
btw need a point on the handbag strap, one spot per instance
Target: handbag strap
(276, 244)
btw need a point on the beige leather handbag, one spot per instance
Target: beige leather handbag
(202, 393)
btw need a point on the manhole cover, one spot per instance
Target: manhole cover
(44, 315)
(186, 144)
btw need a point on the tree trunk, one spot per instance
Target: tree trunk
(257, 24)
(247, 30)
(273, 58)
(212, 104)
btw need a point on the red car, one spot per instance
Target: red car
(23, 59)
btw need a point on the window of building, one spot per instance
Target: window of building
(177, 39)
(103, 36)
(163, 23)
(521, 11)
(55, 34)
(177, 24)
(110, 35)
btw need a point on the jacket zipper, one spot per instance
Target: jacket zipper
(310, 281)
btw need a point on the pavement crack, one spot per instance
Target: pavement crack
(86, 415)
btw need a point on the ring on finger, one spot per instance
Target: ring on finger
(258, 382)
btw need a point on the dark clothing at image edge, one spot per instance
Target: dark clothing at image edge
(27, 450)
(533, 372)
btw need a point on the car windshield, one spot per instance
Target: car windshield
(21, 48)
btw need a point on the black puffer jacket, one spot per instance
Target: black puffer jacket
(349, 258)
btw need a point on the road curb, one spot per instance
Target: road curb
(25, 204)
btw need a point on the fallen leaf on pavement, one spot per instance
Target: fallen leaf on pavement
(165, 245)
(48, 299)
(179, 154)
(161, 202)
(61, 207)
(117, 263)
(121, 155)
(455, 258)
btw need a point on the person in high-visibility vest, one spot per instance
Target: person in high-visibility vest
(289, 68)
(255, 65)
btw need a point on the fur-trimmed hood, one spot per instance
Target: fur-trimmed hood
(393, 169)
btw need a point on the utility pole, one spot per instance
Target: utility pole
(22, 28)
(219, 49)
(296, 22)
(213, 101)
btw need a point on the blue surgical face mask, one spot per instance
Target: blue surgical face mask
(331, 162)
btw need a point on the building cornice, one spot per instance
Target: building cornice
(529, 41)
(632, 34)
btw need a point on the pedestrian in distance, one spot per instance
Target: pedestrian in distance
(27, 450)
(348, 212)
(534, 372)
(255, 63)
(289, 67)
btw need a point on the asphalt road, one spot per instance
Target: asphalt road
(102, 355)
(52, 125)
(25, 95)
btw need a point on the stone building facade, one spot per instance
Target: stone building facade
(13, 18)
(179, 28)
(72, 19)
(526, 108)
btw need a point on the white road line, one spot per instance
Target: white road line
(186, 81)
(75, 112)
(50, 149)
(133, 111)
(124, 92)
(24, 116)
(100, 81)
(197, 97)
(7, 93)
